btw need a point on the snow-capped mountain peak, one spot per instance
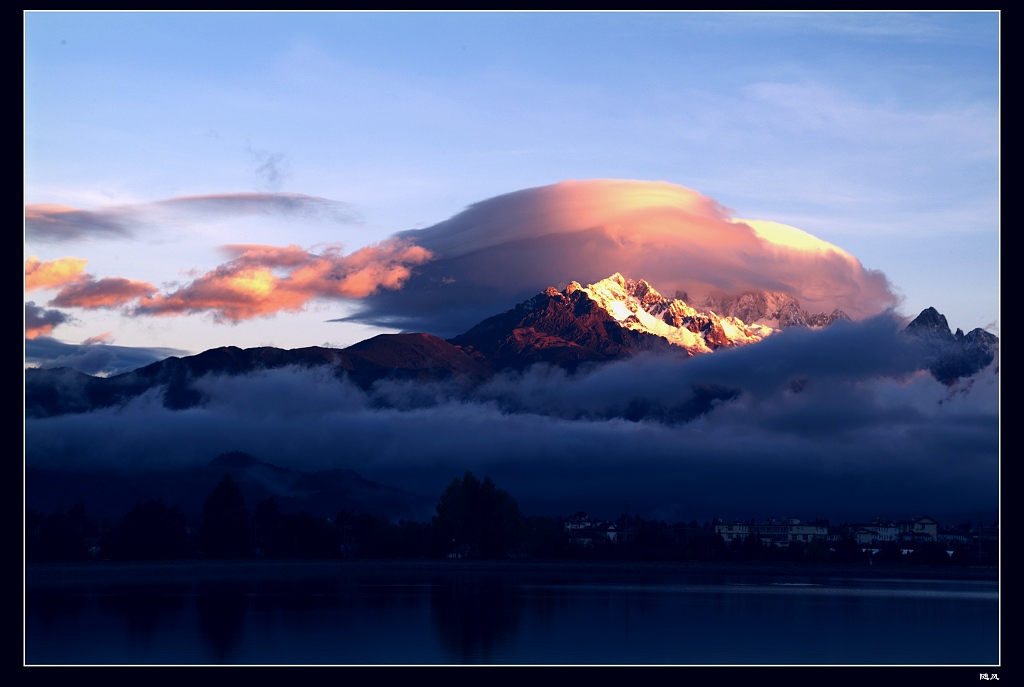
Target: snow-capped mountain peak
(614, 318)
(638, 306)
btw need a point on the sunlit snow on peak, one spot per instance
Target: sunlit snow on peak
(638, 306)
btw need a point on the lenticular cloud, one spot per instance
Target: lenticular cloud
(498, 252)
(505, 249)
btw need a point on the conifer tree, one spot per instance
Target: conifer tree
(226, 529)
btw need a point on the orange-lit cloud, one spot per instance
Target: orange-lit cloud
(40, 321)
(81, 290)
(109, 292)
(32, 332)
(257, 281)
(48, 275)
(505, 249)
(48, 222)
(264, 280)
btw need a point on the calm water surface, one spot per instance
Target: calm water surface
(353, 613)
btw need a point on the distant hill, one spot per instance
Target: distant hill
(111, 492)
(398, 356)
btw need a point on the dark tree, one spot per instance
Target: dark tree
(267, 523)
(149, 531)
(889, 552)
(226, 530)
(847, 550)
(303, 536)
(752, 549)
(794, 552)
(477, 519)
(58, 536)
(930, 553)
(501, 522)
(545, 537)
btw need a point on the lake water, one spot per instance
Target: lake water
(450, 613)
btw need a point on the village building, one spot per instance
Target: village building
(586, 532)
(775, 533)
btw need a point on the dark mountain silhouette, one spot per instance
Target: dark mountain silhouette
(398, 356)
(410, 356)
(948, 356)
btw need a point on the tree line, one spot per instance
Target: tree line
(474, 519)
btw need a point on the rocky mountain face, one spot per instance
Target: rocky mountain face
(951, 356)
(618, 317)
(564, 328)
(770, 308)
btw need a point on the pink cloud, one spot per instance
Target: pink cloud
(109, 292)
(104, 338)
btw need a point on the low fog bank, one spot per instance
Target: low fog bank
(835, 424)
(92, 358)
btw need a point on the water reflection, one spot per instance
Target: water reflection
(415, 615)
(221, 609)
(475, 617)
(142, 611)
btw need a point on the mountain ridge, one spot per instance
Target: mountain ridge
(947, 355)
(617, 317)
(612, 319)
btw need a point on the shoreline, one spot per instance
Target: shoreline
(44, 575)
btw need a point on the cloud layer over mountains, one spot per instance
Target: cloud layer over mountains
(833, 423)
(503, 250)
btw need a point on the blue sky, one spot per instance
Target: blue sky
(877, 132)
